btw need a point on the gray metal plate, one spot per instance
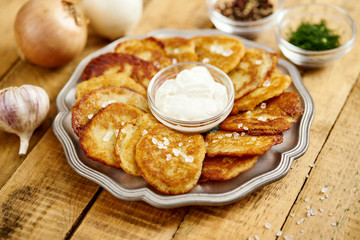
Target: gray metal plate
(271, 166)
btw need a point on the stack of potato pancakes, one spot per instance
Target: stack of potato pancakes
(115, 127)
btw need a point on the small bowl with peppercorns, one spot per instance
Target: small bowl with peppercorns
(247, 18)
(312, 35)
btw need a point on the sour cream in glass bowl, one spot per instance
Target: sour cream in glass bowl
(191, 97)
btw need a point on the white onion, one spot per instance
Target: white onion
(50, 33)
(113, 18)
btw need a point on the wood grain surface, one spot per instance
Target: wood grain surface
(41, 197)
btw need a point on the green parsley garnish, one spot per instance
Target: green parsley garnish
(316, 37)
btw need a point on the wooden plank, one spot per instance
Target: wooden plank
(8, 50)
(173, 14)
(52, 80)
(111, 218)
(272, 203)
(332, 192)
(44, 197)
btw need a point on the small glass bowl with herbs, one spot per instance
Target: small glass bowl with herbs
(312, 35)
(247, 18)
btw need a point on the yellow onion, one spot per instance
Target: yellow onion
(50, 33)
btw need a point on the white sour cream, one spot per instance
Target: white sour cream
(192, 96)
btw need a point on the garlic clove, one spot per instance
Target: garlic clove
(22, 110)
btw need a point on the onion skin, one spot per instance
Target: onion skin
(50, 33)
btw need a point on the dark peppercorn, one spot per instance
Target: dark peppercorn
(245, 10)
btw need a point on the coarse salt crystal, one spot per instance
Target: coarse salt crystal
(307, 199)
(176, 50)
(321, 209)
(308, 214)
(334, 224)
(174, 61)
(168, 156)
(279, 233)
(257, 237)
(251, 238)
(253, 139)
(191, 140)
(331, 214)
(161, 145)
(236, 135)
(242, 134)
(312, 165)
(90, 116)
(227, 53)
(261, 118)
(322, 198)
(144, 132)
(154, 140)
(122, 123)
(166, 141)
(268, 225)
(324, 190)
(302, 230)
(176, 152)
(292, 215)
(289, 237)
(326, 195)
(308, 207)
(258, 62)
(205, 60)
(107, 136)
(214, 141)
(189, 159)
(263, 105)
(228, 135)
(180, 144)
(104, 104)
(220, 137)
(246, 128)
(240, 125)
(157, 64)
(248, 112)
(313, 212)
(267, 83)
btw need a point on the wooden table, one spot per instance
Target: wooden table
(41, 197)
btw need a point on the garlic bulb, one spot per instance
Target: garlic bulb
(113, 18)
(22, 110)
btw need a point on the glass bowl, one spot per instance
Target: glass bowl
(171, 72)
(337, 20)
(249, 29)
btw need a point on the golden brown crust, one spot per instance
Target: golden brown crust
(223, 52)
(115, 80)
(223, 143)
(149, 49)
(91, 103)
(254, 67)
(273, 116)
(109, 63)
(127, 140)
(225, 168)
(276, 85)
(99, 135)
(179, 49)
(169, 160)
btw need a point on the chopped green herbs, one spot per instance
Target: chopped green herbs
(316, 37)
